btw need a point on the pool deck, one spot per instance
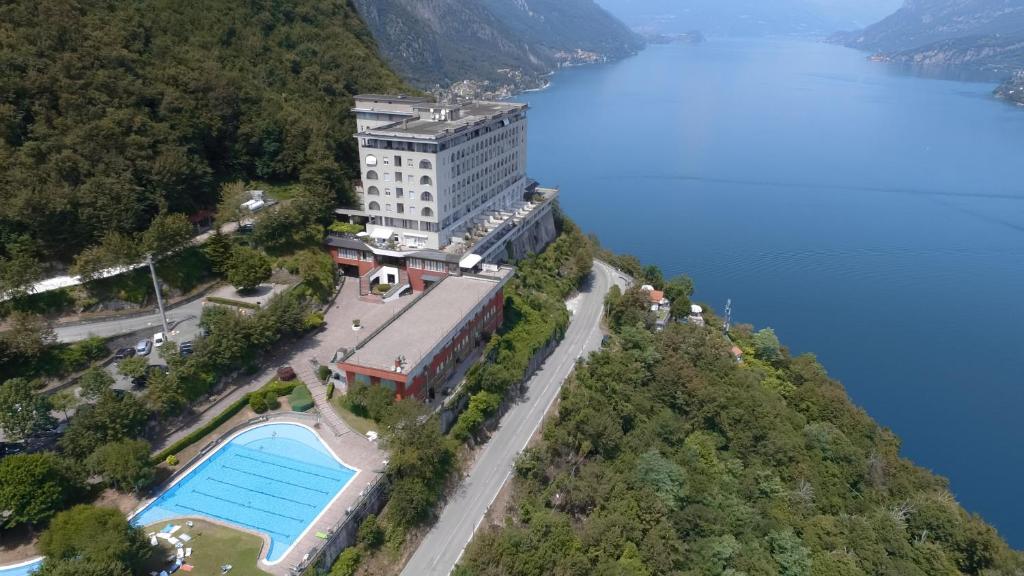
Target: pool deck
(355, 451)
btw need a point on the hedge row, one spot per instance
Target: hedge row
(275, 388)
(230, 302)
(198, 434)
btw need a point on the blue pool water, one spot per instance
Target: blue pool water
(274, 479)
(22, 570)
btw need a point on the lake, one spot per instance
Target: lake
(871, 217)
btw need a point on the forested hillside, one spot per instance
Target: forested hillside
(440, 42)
(114, 111)
(667, 457)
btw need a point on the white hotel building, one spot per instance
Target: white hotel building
(430, 171)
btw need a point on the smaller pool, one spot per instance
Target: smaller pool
(275, 479)
(23, 569)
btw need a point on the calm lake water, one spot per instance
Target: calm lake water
(871, 217)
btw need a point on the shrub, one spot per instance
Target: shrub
(271, 401)
(171, 460)
(313, 321)
(258, 402)
(347, 563)
(369, 401)
(370, 533)
(330, 390)
(381, 288)
(300, 399)
(346, 228)
(323, 372)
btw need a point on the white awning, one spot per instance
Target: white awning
(694, 309)
(381, 233)
(470, 261)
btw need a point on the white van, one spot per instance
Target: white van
(158, 339)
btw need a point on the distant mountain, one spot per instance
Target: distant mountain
(977, 34)
(510, 43)
(749, 17)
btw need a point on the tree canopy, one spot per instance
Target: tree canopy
(248, 268)
(89, 537)
(23, 411)
(34, 487)
(114, 112)
(667, 457)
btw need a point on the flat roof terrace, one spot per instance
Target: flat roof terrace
(425, 326)
(468, 115)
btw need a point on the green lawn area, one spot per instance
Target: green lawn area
(212, 546)
(357, 423)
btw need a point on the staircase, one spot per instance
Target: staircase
(364, 281)
(306, 372)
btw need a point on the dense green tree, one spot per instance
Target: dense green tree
(19, 267)
(94, 536)
(164, 393)
(229, 205)
(766, 345)
(167, 233)
(121, 111)
(679, 290)
(218, 250)
(28, 335)
(65, 400)
(82, 567)
(95, 382)
(23, 410)
(666, 457)
(113, 417)
(34, 487)
(133, 367)
(125, 464)
(248, 268)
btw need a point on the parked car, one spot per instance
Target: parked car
(144, 347)
(123, 353)
(185, 349)
(158, 339)
(285, 373)
(11, 448)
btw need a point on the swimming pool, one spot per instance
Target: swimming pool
(275, 479)
(23, 569)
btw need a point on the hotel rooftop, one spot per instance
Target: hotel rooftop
(438, 121)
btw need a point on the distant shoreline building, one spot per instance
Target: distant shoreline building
(443, 189)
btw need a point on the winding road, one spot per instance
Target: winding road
(441, 549)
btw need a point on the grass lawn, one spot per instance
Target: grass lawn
(357, 423)
(212, 546)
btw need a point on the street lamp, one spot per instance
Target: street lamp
(159, 298)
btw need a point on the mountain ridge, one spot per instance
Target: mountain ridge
(492, 47)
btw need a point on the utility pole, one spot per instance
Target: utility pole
(159, 298)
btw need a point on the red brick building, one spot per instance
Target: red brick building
(415, 353)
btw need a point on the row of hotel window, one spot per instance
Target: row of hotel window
(371, 160)
(404, 223)
(401, 209)
(424, 180)
(399, 193)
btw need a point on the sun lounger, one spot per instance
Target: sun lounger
(153, 541)
(174, 540)
(184, 537)
(186, 567)
(173, 530)
(188, 552)
(181, 553)
(163, 535)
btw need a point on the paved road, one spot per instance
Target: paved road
(444, 544)
(182, 319)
